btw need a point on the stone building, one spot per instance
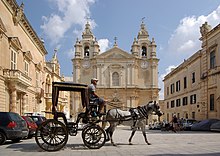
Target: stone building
(192, 90)
(25, 76)
(52, 74)
(126, 79)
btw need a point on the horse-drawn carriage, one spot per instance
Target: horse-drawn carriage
(52, 135)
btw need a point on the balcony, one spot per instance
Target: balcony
(16, 76)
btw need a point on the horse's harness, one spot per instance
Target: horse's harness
(141, 113)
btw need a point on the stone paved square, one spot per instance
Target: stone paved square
(187, 143)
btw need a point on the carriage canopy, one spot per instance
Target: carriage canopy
(69, 86)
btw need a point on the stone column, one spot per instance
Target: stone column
(77, 74)
(101, 70)
(133, 74)
(99, 74)
(129, 74)
(24, 103)
(13, 96)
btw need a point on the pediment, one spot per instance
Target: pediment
(115, 53)
(14, 42)
(39, 66)
(28, 55)
(2, 26)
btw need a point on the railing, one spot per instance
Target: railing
(17, 75)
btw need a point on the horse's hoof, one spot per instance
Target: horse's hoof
(149, 143)
(114, 144)
(107, 139)
(130, 143)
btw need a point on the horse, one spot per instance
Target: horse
(134, 118)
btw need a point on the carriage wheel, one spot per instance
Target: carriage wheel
(51, 135)
(93, 137)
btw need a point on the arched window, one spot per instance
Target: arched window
(144, 51)
(115, 79)
(86, 51)
(48, 84)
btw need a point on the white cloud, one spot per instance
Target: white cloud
(187, 46)
(161, 77)
(185, 39)
(104, 44)
(71, 53)
(71, 13)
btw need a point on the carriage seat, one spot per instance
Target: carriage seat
(93, 101)
(93, 107)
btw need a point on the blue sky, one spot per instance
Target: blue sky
(173, 23)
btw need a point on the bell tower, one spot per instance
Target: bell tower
(86, 50)
(87, 47)
(144, 50)
(141, 45)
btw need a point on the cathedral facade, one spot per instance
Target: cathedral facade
(126, 79)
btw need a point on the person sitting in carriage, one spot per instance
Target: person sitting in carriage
(94, 97)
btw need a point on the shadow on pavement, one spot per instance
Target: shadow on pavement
(25, 147)
(204, 154)
(75, 147)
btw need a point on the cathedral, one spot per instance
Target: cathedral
(126, 79)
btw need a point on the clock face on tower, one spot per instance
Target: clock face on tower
(86, 64)
(144, 64)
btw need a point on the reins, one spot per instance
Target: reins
(115, 106)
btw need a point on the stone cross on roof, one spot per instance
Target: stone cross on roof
(115, 38)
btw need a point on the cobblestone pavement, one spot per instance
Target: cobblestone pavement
(184, 143)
